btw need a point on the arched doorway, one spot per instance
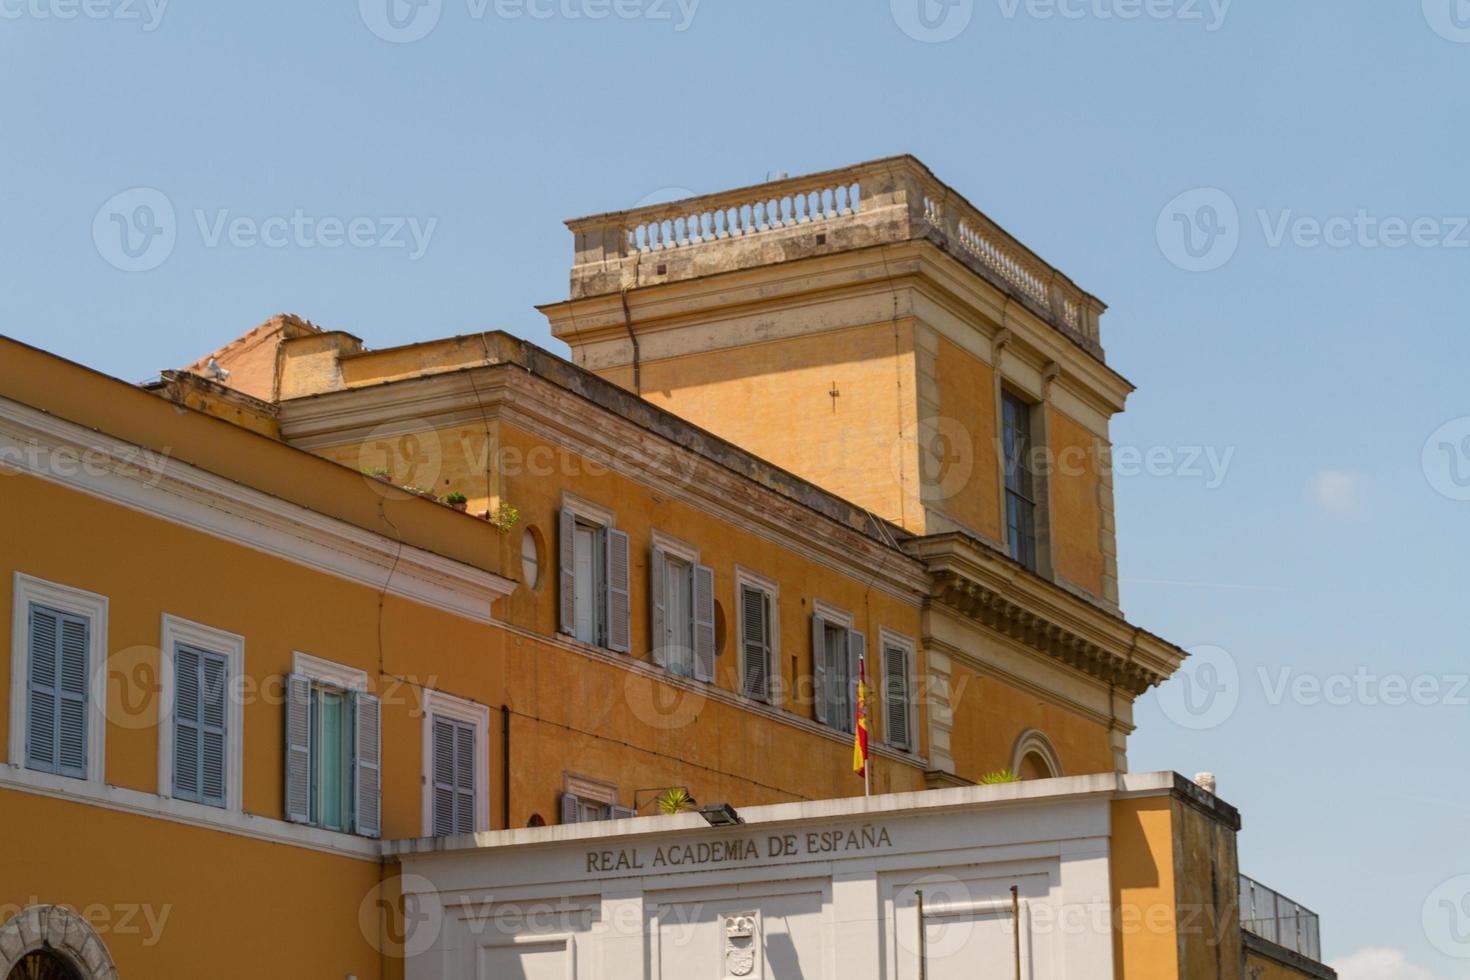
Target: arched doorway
(52, 942)
(43, 964)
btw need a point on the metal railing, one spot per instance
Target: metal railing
(1276, 918)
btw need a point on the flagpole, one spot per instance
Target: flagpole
(867, 761)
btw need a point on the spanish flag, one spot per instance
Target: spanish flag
(860, 724)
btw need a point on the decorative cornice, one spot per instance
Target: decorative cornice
(706, 473)
(982, 585)
(61, 452)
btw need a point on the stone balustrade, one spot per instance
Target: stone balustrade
(882, 202)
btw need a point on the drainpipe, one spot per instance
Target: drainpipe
(505, 766)
(633, 338)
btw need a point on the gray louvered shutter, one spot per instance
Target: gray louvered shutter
(42, 693)
(819, 668)
(571, 808)
(656, 639)
(71, 727)
(464, 778)
(443, 776)
(367, 762)
(616, 812)
(618, 610)
(896, 696)
(213, 687)
(186, 723)
(704, 623)
(857, 649)
(298, 748)
(755, 640)
(567, 569)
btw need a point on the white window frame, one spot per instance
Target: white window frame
(348, 680)
(688, 553)
(78, 602)
(775, 677)
(887, 638)
(231, 646)
(471, 713)
(835, 617)
(586, 512)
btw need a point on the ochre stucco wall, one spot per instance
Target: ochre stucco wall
(1141, 865)
(989, 715)
(967, 396)
(1076, 513)
(171, 900)
(774, 400)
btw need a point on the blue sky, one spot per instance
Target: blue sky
(1305, 159)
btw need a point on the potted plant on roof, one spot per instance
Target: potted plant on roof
(457, 500)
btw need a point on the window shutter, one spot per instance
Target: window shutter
(618, 611)
(367, 762)
(704, 623)
(896, 696)
(186, 723)
(71, 740)
(443, 776)
(464, 778)
(819, 668)
(41, 689)
(213, 685)
(567, 566)
(755, 638)
(857, 649)
(571, 808)
(656, 639)
(616, 812)
(298, 748)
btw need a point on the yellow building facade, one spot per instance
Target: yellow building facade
(303, 599)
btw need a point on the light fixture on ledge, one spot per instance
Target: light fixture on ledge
(720, 815)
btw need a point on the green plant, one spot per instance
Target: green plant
(455, 498)
(420, 491)
(1001, 776)
(675, 799)
(504, 518)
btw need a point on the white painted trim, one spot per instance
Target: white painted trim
(469, 712)
(232, 647)
(93, 608)
(832, 614)
(124, 800)
(329, 672)
(677, 547)
(588, 511)
(775, 677)
(886, 638)
(35, 443)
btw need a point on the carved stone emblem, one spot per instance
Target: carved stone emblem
(742, 945)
